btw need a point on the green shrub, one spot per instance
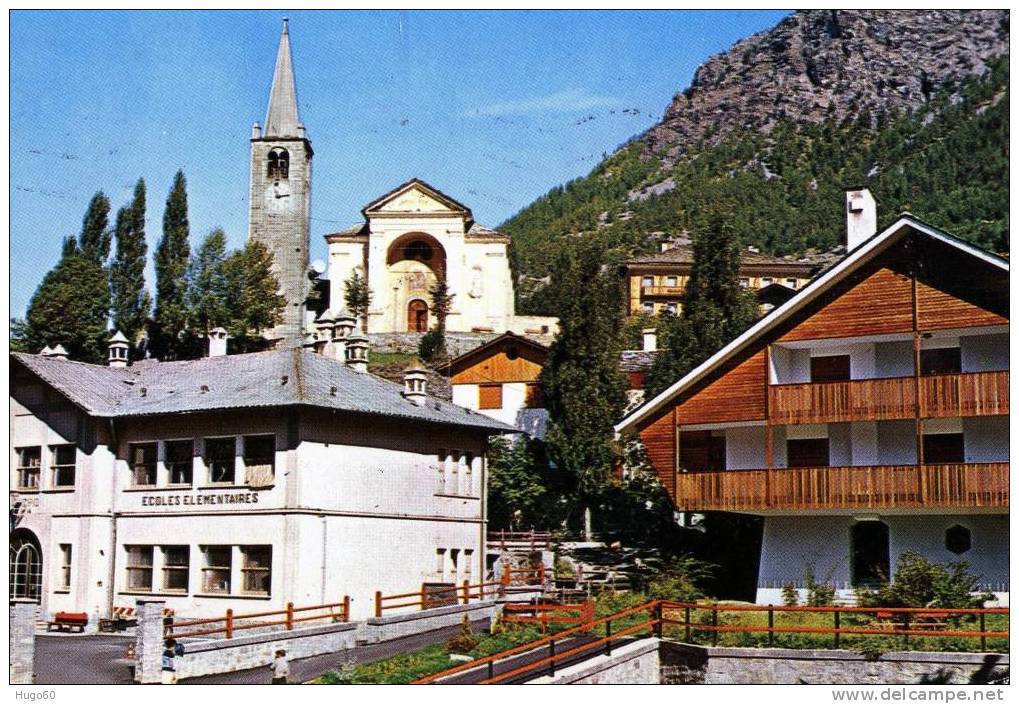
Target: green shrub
(432, 347)
(463, 642)
(919, 583)
(790, 595)
(680, 579)
(818, 593)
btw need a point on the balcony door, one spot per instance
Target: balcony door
(812, 452)
(870, 553)
(700, 451)
(826, 369)
(944, 448)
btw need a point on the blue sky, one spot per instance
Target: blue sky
(494, 108)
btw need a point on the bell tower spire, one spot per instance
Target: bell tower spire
(282, 119)
(280, 200)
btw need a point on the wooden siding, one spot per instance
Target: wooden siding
(974, 394)
(880, 303)
(937, 309)
(841, 401)
(659, 438)
(825, 488)
(498, 367)
(738, 395)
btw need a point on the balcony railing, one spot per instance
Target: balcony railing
(662, 290)
(972, 485)
(945, 395)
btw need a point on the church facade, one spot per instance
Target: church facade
(410, 237)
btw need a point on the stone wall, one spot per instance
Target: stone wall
(692, 664)
(375, 630)
(22, 642)
(634, 663)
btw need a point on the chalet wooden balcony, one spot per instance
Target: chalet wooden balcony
(941, 396)
(652, 291)
(971, 485)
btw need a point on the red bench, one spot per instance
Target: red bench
(68, 620)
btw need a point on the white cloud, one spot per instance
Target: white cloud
(572, 100)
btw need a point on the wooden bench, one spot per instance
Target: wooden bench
(68, 620)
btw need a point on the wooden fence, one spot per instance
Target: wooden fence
(520, 540)
(544, 614)
(230, 622)
(430, 596)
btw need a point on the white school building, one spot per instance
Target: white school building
(244, 482)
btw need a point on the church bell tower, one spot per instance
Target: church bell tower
(280, 199)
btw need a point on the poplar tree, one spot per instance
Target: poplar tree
(207, 286)
(252, 301)
(131, 301)
(168, 338)
(584, 391)
(94, 240)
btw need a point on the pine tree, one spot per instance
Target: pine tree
(94, 240)
(358, 297)
(432, 347)
(169, 334)
(207, 286)
(584, 391)
(71, 308)
(131, 301)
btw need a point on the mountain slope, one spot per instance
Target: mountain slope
(913, 105)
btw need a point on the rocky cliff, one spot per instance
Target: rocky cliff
(821, 64)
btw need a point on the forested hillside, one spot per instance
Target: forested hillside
(782, 182)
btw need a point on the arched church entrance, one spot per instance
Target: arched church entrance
(417, 316)
(25, 565)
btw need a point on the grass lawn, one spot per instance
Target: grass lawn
(387, 359)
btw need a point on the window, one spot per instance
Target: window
(29, 461)
(440, 563)
(175, 568)
(807, 453)
(943, 360)
(468, 473)
(180, 460)
(744, 282)
(25, 566)
(256, 569)
(143, 464)
(219, 459)
(767, 281)
(454, 472)
(647, 281)
(442, 471)
(468, 558)
(827, 369)
(419, 250)
(958, 539)
(279, 164)
(259, 459)
(672, 307)
(216, 572)
(65, 567)
(791, 283)
(671, 281)
(944, 448)
(649, 307)
(62, 461)
(701, 451)
(533, 397)
(454, 557)
(139, 567)
(489, 396)
(870, 553)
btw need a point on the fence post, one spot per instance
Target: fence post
(229, 623)
(656, 613)
(983, 632)
(905, 624)
(378, 604)
(838, 629)
(714, 624)
(290, 616)
(149, 641)
(551, 655)
(346, 609)
(504, 580)
(541, 572)
(608, 637)
(491, 669)
(771, 625)
(423, 595)
(686, 613)
(467, 591)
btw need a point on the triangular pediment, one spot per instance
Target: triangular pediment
(416, 196)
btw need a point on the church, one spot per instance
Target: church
(411, 237)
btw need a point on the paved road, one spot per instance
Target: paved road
(81, 659)
(310, 668)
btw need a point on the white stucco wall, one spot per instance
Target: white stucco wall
(744, 448)
(986, 439)
(514, 398)
(984, 353)
(792, 542)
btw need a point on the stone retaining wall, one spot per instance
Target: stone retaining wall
(693, 664)
(633, 663)
(375, 630)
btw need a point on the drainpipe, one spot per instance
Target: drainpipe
(112, 561)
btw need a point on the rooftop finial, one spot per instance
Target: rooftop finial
(285, 21)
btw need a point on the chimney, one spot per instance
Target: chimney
(217, 342)
(414, 383)
(861, 217)
(650, 339)
(343, 327)
(256, 131)
(46, 351)
(356, 353)
(118, 346)
(58, 352)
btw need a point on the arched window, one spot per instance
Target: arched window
(419, 250)
(279, 164)
(26, 567)
(870, 553)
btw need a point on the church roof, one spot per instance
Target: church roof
(295, 377)
(282, 119)
(482, 231)
(432, 191)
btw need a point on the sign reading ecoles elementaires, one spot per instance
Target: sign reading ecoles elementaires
(246, 497)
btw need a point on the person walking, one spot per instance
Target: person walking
(280, 668)
(171, 652)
